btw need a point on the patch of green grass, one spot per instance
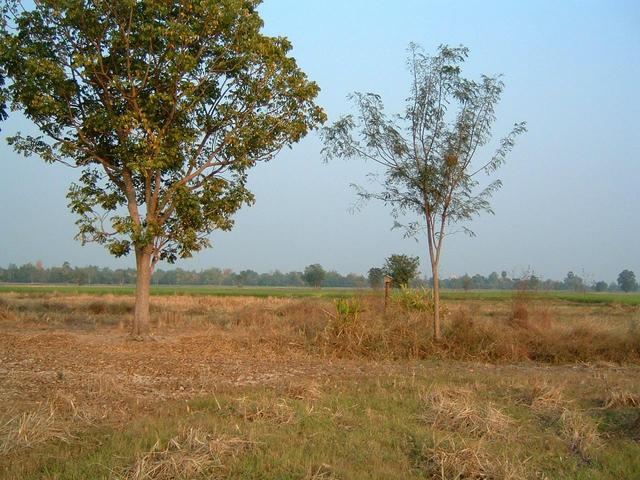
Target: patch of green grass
(606, 298)
(304, 292)
(194, 290)
(597, 297)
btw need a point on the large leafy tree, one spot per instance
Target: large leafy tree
(314, 275)
(163, 105)
(402, 269)
(627, 281)
(428, 154)
(375, 277)
(7, 10)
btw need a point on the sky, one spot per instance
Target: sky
(571, 195)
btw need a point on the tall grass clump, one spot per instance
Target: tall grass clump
(416, 300)
(526, 331)
(362, 327)
(529, 331)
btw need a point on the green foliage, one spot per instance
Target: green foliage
(165, 106)
(314, 275)
(427, 151)
(296, 292)
(415, 300)
(533, 282)
(345, 327)
(627, 281)
(7, 10)
(348, 308)
(376, 277)
(402, 269)
(418, 300)
(347, 311)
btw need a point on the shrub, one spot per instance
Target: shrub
(346, 320)
(417, 300)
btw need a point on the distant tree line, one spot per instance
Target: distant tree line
(404, 271)
(502, 281)
(494, 281)
(402, 268)
(93, 275)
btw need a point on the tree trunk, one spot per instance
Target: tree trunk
(143, 282)
(436, 302)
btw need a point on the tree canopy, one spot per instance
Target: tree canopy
(402, 269)
(314, 275)
(163, 106)
(627, 281)
(375, 277)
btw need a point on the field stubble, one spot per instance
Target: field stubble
(233, 387)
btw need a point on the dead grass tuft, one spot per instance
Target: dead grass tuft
(459, 410)
(545, 398)
(320, 472)
(305, 391)
(69, 409)
(6, 312)
(577, 429)
(450, 460)
(187, 455)
(29, 429)
(274, 411)
(581, 433)
(619, 399)
(521, 304)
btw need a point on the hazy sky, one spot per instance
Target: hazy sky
(571, 192)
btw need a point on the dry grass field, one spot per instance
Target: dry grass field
(318, 388)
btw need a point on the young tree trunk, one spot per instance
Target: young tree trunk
(436, 302)
(143, 283)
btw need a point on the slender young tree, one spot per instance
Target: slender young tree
(428, 154)
(163, 106)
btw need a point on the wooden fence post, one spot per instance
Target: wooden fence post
(387, 287)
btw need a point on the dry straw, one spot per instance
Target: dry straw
(459, 410)
(450, 459)
(618, 399)
(30, 429)
(275, 411)
(190, 454)
(581, 433)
